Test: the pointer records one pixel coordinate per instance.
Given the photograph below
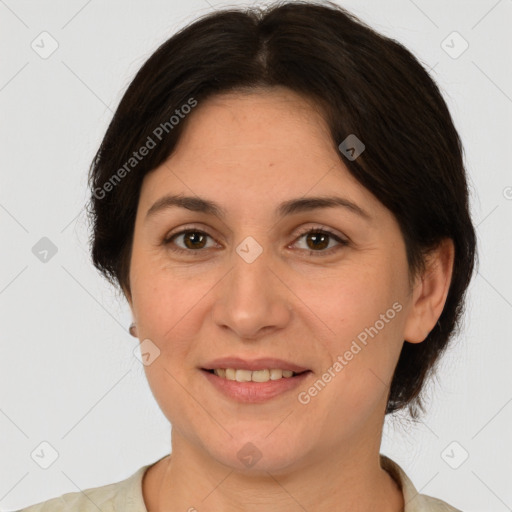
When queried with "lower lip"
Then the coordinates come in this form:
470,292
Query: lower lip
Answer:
254,392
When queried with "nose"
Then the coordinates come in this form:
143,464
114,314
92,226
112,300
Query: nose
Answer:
252,298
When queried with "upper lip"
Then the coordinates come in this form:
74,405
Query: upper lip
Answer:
253,364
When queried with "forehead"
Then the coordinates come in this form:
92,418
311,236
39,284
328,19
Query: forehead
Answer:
276,118
265,146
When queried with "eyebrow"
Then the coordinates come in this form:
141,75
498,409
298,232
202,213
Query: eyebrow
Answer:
290,207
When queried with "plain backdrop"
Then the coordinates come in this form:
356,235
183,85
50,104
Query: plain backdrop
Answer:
68,373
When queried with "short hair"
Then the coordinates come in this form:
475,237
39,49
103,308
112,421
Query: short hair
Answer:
362,83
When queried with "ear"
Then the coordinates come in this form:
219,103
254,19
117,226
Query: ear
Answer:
430,292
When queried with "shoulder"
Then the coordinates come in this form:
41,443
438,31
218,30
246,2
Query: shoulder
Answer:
434,504
413,500
124,495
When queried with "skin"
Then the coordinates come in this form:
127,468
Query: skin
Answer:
249,152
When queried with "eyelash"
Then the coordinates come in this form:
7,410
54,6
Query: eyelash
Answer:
316,230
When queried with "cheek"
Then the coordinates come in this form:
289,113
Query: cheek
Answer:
171,312
181,407
344,306
166,298
361,316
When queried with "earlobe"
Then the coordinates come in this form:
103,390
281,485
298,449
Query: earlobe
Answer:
430,293
133,329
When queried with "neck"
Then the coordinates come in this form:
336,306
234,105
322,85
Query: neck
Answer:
352,480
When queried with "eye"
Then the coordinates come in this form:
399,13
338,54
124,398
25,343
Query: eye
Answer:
319,238
194,240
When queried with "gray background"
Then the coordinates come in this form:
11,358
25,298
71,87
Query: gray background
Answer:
68,375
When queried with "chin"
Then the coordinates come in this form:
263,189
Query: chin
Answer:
258,455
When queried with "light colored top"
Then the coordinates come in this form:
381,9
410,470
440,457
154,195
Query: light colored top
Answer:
126,495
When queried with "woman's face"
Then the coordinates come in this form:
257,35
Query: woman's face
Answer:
252,285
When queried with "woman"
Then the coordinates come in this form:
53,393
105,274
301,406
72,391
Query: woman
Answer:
281,197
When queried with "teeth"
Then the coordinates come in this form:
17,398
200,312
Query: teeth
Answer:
255,376
243,376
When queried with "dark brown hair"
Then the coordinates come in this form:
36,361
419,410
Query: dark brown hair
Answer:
362,82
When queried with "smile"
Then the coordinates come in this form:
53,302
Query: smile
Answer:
253,376
244,386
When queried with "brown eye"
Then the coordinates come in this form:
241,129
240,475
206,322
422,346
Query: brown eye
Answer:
318,239
193,240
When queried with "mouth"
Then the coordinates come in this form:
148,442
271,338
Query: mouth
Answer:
261,376
254,386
